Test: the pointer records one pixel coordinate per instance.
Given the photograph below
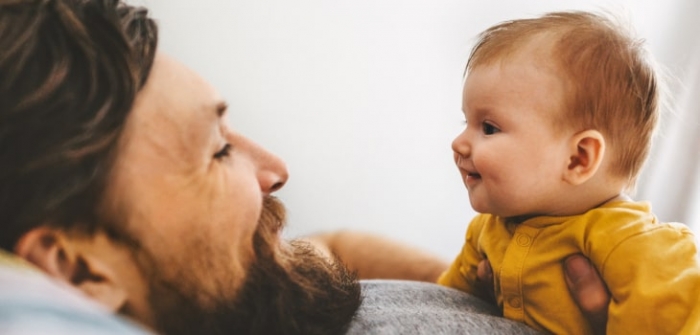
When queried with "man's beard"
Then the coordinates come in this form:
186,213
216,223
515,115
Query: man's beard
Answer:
288,289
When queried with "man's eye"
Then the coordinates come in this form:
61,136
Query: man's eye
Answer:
224,152
490,129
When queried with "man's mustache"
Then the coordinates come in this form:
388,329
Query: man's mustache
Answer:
273,216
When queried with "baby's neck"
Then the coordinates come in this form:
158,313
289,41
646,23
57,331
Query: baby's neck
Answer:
576,202
619,197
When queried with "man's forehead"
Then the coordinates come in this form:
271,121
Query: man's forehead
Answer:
176,95
173,85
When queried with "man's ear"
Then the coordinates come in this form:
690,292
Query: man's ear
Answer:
586,155
68,259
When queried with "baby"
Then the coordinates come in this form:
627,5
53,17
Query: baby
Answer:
560,113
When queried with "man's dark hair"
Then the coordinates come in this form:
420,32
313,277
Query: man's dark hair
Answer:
69,74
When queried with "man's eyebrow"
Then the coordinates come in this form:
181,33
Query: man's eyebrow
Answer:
221,108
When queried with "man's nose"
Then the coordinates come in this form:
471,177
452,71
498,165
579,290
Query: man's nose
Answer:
270,170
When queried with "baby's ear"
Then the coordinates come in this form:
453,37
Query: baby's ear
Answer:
586,156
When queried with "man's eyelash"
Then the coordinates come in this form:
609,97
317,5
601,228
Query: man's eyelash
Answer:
224,152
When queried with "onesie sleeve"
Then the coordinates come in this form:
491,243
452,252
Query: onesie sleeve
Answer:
462,273
654,279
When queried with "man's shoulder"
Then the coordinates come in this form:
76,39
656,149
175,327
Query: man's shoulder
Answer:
408,307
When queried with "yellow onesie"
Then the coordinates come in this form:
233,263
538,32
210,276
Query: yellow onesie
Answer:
651,268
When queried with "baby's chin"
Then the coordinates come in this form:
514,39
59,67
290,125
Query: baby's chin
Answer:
479,207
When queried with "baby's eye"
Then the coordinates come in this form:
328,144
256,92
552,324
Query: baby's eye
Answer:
489,129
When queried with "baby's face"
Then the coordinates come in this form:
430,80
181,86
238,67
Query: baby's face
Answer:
510,156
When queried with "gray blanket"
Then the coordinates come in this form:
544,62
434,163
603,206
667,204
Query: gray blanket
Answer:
405,307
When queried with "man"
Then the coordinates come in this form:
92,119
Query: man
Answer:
121,182
146,202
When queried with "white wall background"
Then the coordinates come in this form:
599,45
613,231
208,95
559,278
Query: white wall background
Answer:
362,97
